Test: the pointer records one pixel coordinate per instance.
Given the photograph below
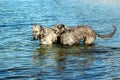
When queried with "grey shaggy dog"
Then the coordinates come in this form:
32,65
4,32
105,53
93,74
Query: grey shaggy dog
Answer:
52,35
82,33
48,35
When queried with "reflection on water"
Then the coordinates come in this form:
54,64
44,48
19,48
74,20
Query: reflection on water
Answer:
58,61
55,53
75,62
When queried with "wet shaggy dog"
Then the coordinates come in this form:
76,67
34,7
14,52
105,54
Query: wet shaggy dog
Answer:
82,33
48,35
52,35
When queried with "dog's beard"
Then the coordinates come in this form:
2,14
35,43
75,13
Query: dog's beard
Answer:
36,37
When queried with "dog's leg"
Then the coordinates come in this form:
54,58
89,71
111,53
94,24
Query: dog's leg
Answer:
89,40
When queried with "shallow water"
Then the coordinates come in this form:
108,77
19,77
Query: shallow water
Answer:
22,58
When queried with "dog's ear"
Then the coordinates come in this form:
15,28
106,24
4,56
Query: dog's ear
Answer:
61,26
41,26
65,31
35,28
57,31
45,31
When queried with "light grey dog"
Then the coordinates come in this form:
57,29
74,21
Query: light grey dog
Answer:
48,35
82,33
52,35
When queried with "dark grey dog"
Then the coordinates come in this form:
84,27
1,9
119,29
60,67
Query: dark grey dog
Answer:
82,33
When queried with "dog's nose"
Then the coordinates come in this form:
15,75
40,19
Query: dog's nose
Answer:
35,38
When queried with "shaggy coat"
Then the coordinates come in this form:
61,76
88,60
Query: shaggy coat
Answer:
48,35
82,33
52,35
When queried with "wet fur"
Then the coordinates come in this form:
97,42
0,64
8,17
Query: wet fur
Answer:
62,34
48,35
82,33
52,35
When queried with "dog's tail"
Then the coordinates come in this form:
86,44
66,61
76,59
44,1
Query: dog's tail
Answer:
107,35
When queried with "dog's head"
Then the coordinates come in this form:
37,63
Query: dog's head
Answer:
36,31
59,29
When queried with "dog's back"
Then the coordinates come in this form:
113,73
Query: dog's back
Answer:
74,35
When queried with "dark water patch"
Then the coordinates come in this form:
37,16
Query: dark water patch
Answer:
18,77
15,69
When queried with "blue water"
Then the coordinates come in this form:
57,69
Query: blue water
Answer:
22,58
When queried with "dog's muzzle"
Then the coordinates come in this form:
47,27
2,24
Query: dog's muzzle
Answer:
35,37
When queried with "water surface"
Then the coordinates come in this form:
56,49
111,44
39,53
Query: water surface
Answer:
22,58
